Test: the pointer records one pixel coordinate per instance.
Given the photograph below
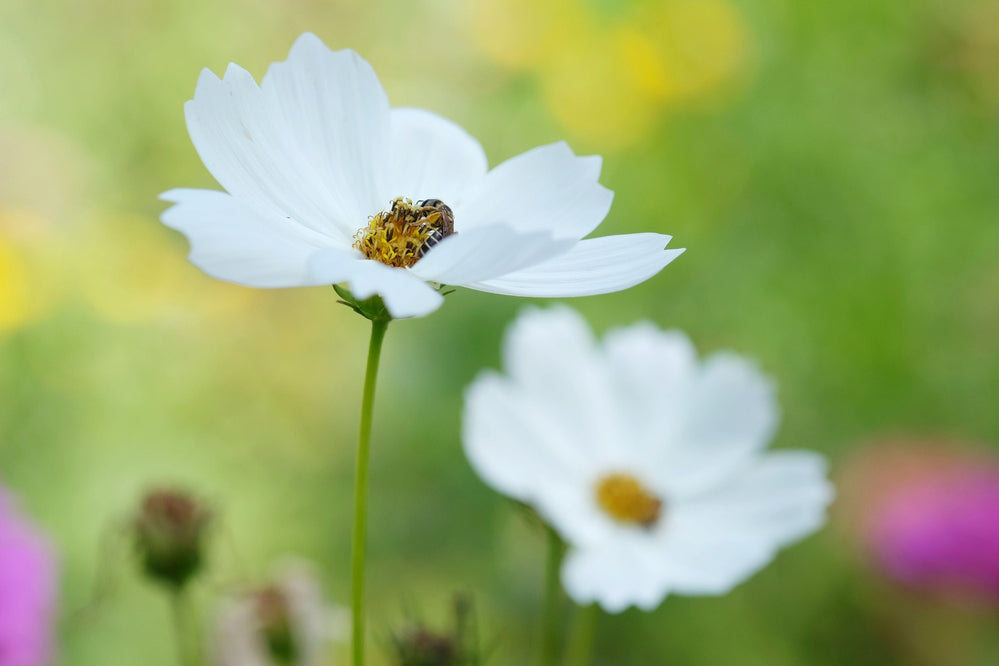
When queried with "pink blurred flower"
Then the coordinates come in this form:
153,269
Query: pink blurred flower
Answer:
940,530
27,591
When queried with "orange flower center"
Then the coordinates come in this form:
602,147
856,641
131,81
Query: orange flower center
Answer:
400,236
626,500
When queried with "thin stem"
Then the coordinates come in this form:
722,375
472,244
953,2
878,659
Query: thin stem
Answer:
178,608
552,602
378,328
580,649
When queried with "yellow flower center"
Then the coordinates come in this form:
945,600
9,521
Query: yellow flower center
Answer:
400,236
627,501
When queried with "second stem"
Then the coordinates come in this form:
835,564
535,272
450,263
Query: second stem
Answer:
552,609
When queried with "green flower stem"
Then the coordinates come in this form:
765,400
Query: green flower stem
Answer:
552,607
580,649
179,611
378,328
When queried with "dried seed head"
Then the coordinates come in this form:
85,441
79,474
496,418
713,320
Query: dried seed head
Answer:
419,645
169,534
273,610
422,647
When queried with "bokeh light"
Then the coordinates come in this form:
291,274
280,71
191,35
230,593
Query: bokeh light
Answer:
610,73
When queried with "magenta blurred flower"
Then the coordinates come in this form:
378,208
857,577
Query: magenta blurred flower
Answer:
941,531
27,591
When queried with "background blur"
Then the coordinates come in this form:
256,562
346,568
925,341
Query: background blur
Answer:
833,168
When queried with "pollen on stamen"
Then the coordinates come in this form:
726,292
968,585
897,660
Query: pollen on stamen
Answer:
400,236
627,501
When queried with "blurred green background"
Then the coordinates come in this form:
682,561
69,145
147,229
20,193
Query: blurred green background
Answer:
832,168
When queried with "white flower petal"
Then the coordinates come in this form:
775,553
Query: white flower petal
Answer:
731,413
593,266
230,241
545,189
483,253
337,114
432,157
715,541
711,563
311,616
304,145
404,294
520,451
550,356
780,498
236,640
648,374
511,443
652,371
615,575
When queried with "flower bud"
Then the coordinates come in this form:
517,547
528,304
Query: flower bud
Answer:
284,623
420,646
169,531
274,613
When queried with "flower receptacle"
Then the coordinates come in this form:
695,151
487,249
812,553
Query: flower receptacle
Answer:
370,308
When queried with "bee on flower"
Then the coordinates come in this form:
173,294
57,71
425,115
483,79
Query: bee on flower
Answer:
321,175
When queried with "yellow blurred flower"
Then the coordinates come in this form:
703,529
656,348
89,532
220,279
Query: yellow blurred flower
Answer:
608,92
130,272
608,76
28,276
702,44
43,177
15,304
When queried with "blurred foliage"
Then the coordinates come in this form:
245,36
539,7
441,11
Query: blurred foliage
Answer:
832,168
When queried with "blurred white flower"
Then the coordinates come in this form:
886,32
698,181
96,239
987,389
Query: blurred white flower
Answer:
327,184
286,623
649,463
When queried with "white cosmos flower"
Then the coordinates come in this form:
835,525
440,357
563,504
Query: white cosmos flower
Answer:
648,462
311,154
